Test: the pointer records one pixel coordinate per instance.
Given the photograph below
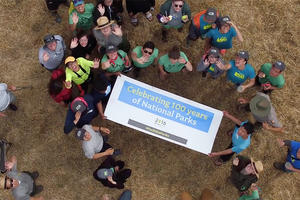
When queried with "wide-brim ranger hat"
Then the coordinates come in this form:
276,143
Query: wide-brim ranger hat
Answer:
260,106
211,14
103,22
69,59
258,166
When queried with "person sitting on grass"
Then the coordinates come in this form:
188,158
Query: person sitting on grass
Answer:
202,22
7,98
172,62
82,110
22,184
111,173
262,111
82,45
292,163
245,172
114,62
143,56
94,143
239,70
240,140
79,71
270,77
81,18
212,63
173,14
222,36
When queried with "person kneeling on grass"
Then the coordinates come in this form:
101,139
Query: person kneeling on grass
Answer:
174,61
292,163
245,172
143,57
241,139
111,173
94,143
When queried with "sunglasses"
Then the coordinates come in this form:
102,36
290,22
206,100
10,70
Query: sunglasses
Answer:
148,52
178,6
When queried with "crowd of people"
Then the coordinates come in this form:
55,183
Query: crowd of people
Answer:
83,84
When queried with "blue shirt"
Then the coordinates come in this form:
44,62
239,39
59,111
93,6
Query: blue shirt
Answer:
204,26
85,118
219,40
292,155
239,144
240,76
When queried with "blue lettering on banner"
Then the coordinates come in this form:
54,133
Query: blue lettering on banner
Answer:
166,107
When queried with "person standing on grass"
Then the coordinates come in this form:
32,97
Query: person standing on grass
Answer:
172,62
270,77
93,142
292,163
22,184
143,56
173,14
112,9
240,140
52,53
222,36
7,98
81,18
53,5
82,45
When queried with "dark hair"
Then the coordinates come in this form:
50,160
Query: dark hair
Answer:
99,84
55,86
174,53
82,33
149,45
249,127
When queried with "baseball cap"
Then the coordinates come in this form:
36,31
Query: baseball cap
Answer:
211,14
49,38
104,173
214,51
80,133
111,48
78,106
279,65
224,20
77,2
243,54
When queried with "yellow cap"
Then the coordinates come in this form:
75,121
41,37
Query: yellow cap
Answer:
69,59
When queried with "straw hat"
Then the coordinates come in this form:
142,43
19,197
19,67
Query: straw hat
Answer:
103,22
260,106
2,182
258,166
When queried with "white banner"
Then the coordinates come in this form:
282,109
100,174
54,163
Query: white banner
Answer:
164,115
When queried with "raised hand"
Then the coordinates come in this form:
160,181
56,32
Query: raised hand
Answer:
117,30
75,18
101,9
74,43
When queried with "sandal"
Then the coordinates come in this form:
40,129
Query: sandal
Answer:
134,21
149,16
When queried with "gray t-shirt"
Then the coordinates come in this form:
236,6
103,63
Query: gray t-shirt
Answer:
176,18
104,41
4,97
25,187
271,119
213,69
94,145
55,57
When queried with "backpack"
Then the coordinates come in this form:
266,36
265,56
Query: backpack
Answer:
196,19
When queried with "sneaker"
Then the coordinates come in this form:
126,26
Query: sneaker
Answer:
35,175
117,152
58,18
13,107
204,74
164,36
126,70
38,189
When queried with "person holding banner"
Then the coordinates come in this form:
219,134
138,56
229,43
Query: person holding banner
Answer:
172,62
143,57
241,139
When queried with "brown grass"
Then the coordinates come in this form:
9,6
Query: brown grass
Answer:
161,170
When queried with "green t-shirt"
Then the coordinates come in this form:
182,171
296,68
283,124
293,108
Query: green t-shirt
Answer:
277,81
138,51
253,196
81,76
85,20
119,63
168,66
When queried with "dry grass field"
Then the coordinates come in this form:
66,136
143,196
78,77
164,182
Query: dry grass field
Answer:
161,170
